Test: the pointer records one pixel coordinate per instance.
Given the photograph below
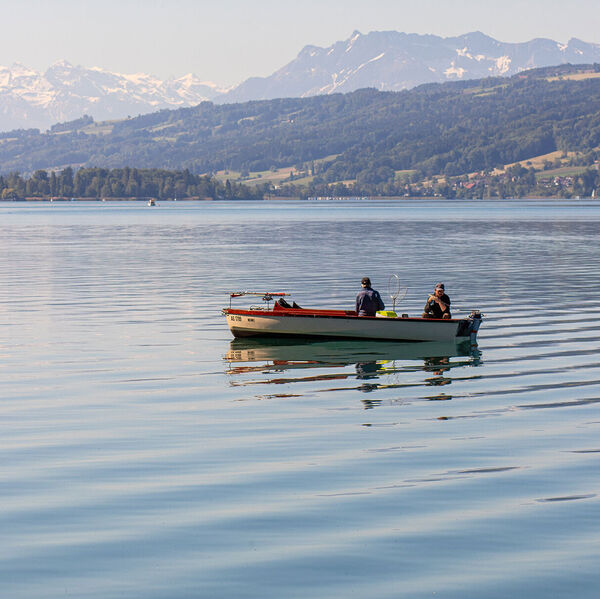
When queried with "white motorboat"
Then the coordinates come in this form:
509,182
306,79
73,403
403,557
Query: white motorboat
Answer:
284,319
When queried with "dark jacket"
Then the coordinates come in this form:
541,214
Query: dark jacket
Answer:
368,301
432,310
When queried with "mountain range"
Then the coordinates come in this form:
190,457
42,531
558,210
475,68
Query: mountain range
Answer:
385,60
30,99
370,136
394,61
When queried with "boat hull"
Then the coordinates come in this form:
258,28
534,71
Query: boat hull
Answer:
344,325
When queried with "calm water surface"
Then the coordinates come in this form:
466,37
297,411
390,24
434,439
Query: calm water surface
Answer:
145,454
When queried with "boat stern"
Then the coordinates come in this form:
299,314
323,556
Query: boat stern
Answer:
469,326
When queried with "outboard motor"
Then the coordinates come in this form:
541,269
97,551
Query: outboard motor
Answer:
475,318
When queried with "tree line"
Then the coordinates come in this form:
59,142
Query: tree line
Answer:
95,183
131,183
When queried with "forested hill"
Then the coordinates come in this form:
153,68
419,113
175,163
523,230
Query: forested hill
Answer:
449,129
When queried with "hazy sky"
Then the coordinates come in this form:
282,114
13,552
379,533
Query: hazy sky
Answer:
227,41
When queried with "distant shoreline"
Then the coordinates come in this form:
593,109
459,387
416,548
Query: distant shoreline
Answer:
157,202
147,199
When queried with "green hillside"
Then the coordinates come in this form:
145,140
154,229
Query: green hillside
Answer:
376,139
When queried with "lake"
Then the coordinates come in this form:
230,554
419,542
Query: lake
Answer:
146,454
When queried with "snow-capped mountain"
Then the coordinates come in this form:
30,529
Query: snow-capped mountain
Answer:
386,60
390,60
66,92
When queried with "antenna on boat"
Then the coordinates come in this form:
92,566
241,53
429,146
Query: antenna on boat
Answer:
395,290
267,296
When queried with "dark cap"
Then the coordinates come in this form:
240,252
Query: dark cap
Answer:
365,281
440,286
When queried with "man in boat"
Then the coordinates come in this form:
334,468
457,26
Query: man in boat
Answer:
368,301
438,304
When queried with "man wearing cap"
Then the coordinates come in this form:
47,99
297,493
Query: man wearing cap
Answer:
368,301
438,304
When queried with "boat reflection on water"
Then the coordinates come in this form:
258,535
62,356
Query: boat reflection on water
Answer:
377,364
